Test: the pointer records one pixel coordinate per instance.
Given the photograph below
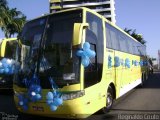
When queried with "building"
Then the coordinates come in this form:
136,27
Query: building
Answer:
104,7
158,59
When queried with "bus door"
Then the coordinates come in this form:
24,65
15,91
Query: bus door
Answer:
113,57
110,73
93,72
120,70
124,70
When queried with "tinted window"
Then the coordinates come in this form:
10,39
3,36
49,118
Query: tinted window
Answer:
10,49
32,32
136,47
59,55
130,48
117,40
94,35
123,42
108,38
113,39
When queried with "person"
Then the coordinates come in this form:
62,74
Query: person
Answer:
150,65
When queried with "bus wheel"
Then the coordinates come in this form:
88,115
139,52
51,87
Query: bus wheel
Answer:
109,100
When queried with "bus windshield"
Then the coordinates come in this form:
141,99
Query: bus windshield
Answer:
47,49
59,55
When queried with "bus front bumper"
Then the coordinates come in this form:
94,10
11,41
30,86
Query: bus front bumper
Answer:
69,109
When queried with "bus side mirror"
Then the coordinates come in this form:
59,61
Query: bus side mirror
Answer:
77,32
2,48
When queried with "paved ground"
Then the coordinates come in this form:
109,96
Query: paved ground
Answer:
140,103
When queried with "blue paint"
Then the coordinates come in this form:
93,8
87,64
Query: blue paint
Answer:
141,63
109,61
127,63
117,61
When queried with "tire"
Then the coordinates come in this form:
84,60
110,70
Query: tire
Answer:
109,100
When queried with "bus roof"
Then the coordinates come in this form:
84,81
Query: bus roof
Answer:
92,11
45,15
112,24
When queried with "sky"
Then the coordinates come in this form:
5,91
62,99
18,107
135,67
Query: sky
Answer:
142,15
30,8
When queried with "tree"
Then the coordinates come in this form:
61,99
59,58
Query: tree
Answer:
3,15
3,3
11,20
128,31
133,33
17,20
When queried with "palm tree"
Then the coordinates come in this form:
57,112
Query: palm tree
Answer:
15,27
11,20
3,15
3,3
17,20
128,30
133,33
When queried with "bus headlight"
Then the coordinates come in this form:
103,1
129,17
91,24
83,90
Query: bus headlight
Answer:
72,95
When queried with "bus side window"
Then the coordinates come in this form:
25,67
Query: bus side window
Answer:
129,40
10,49
93,61
108,37
91,71
112,37
90,36
94,35
123,43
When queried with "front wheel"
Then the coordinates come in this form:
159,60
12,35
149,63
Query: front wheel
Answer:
109,100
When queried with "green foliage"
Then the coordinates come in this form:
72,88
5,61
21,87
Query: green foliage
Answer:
11,20
133,33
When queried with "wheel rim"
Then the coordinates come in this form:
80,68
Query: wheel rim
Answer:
109,100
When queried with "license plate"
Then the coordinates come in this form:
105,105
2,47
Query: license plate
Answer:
38,108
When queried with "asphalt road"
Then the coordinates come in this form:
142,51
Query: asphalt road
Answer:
140,103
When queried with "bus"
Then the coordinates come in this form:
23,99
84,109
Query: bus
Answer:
79,56
7,50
